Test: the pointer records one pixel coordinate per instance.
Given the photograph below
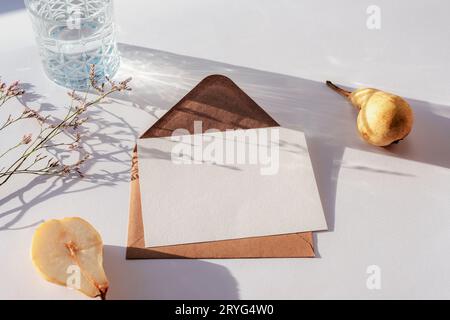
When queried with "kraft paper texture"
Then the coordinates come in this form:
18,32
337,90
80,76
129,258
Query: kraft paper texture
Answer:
219,104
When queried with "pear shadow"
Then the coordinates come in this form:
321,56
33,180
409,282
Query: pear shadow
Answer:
328,120
161,79
166,279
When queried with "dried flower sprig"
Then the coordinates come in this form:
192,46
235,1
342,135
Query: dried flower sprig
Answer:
9,91
36,158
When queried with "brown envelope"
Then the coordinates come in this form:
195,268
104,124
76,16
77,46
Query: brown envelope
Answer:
219,104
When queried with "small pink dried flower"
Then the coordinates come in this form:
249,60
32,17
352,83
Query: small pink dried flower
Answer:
26,139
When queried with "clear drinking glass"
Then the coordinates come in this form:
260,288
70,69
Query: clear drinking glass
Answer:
72,35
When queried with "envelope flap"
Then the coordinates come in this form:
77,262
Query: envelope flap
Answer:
216,101
220,104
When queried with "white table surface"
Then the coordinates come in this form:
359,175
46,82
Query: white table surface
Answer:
385,207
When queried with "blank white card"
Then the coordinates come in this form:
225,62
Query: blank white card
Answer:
227,185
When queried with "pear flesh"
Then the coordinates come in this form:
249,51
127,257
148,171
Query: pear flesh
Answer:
70,247
383,118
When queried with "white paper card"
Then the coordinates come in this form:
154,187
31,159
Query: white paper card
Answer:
227,185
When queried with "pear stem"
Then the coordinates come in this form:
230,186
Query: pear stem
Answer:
339,90
103,294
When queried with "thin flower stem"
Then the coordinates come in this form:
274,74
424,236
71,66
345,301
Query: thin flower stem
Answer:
40,172
11,121
35,162
72,120
11,149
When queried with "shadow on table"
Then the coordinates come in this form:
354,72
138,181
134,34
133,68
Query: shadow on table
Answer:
166,279
329,122
8,6
160,79
108,138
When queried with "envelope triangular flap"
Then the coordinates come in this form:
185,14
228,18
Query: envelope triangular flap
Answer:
219,104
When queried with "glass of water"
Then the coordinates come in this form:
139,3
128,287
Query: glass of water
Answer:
72,35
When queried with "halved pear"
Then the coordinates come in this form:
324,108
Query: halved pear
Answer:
69,252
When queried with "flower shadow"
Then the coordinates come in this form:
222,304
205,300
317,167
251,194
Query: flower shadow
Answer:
161,79
108,138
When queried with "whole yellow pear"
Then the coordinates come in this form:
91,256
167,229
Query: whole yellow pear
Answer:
383,118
